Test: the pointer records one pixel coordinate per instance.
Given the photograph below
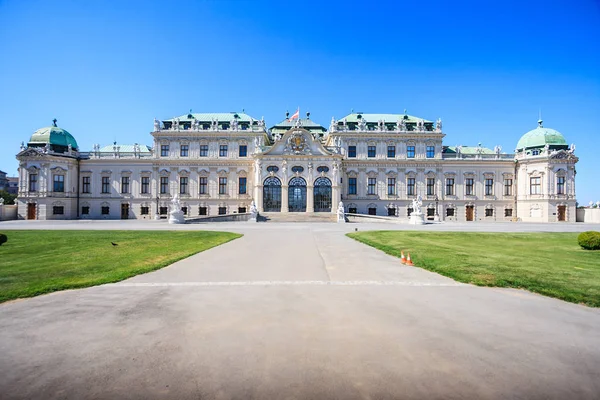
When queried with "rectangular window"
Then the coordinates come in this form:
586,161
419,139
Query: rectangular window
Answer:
449,212
410,151
351,151
184,210
105,184
203,211
124,184
184,150
391,152
450,186
535,185
508,187
223,150
430,151
371,151
85,184
58,210
489,187
391,212
33,182
409,211
222,210
145,184
59,183
243,150
351,185
145,210
430,186
391,186
222,185
164,184
371,185
410,186
203,150
560,185
203,185
163,210
183,185
105,210
242,185
164,150
469,186
241,210
489,212
85,210
352,210
372,211
508,212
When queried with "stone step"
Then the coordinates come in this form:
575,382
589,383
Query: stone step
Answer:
297,217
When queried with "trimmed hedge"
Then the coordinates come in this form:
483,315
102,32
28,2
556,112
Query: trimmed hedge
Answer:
589,240
3,238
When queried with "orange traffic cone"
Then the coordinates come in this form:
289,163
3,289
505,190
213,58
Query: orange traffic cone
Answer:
409,261
402,258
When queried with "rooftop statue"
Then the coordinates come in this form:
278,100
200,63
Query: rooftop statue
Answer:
156,125
438,125
332,125
362,124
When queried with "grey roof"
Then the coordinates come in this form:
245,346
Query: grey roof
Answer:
305,123
208,117
388,118
125,148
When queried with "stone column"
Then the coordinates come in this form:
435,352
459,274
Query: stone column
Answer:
335,198
310,198
284,199
258,198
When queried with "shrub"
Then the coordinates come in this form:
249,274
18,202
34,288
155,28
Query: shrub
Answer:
589,240
3,238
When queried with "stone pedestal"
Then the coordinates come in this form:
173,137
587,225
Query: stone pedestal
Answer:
176,217
157,216
417,219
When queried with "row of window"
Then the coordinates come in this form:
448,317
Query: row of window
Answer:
391,151
184,150
145,210
450,212
410,186
164,185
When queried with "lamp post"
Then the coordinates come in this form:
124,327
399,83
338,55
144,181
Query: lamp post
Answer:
436,218
157,215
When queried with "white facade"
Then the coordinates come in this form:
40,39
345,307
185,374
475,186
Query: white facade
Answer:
374,163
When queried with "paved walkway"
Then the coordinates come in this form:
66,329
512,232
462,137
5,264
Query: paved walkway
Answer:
297,312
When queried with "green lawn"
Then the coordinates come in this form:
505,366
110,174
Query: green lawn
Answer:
36,262
551,264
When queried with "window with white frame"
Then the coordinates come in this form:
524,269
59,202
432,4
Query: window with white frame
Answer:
535,185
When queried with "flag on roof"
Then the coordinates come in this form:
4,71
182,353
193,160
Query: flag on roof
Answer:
295,116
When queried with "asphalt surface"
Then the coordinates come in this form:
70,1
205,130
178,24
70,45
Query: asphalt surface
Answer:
296,311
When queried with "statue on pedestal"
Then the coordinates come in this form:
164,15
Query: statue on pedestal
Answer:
438,125
156,125
341,213
176,215
253,212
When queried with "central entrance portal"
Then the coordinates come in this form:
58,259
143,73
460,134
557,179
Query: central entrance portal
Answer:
272,194
297,195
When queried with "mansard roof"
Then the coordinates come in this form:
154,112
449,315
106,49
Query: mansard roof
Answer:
374,118
305,123
125,148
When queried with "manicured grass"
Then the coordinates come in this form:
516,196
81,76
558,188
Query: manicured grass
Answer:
37,262
551,264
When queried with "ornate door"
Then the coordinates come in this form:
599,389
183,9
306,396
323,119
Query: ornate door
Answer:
30,210
272,194
562,213
297,195
322,195
124,211
470,213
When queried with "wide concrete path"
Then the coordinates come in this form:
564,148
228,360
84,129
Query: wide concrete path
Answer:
297,312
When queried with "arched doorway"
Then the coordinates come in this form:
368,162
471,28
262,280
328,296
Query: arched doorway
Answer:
272,194
322,195
297,195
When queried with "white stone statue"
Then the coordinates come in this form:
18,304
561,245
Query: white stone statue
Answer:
403,125
47,148
253,212
381,125
572,148
233,125
261,123
341,213
156,125
1,201
417,217
362,124
344,124
176,215
22,145
176,124
438,125
332,125
416,205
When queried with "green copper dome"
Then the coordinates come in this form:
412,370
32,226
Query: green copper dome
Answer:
53,135
540,137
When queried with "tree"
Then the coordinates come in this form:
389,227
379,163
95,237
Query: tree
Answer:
8,198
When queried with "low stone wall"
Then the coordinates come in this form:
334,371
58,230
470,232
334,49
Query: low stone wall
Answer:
8,212
373,218
589,215
219,218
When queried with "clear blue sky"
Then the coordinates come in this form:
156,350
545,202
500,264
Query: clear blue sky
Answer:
105,69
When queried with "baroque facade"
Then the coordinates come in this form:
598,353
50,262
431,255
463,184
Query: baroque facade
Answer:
218,163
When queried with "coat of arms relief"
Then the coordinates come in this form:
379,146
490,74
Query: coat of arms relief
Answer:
297,144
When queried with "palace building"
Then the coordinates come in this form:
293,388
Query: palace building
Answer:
218,163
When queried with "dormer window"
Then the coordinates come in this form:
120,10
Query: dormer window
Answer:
535,152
